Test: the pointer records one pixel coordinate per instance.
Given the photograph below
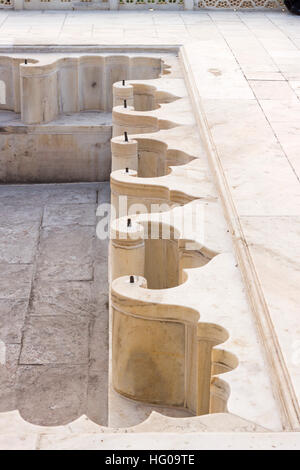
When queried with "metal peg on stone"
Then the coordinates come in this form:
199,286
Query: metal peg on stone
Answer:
123,82
126,136
131,279
128,222
125,103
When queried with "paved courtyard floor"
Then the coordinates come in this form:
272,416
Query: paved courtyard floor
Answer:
53,303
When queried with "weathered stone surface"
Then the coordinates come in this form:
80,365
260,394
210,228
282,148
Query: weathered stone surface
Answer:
50,193
69,214
101,252
55,340
8,372
15,281
101,275
12,315
18,213
66,254
18,442
51,395
97,403
18,243
62,298
104,193
56,333
97,400
98,344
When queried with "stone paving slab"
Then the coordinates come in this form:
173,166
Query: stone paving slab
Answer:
252,146
50,395
288,134
97,396
63,298
66,254
18,213
40,194
168,441
8,378
69,214
15,281
274,247
18,442
12,316
98,371
267,90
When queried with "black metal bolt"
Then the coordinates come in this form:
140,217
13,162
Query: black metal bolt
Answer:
127,170
128,222
126,136
131,279
123,82
26,61
125,104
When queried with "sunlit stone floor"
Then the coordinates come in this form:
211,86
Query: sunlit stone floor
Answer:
148,27
264,47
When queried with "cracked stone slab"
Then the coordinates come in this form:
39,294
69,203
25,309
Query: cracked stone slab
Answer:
101,275
102,302
51,193
52,395
18,243
12,315
8,374
69,214
15,281
104,193
19,214
101,250
63,298
57,339
66,254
